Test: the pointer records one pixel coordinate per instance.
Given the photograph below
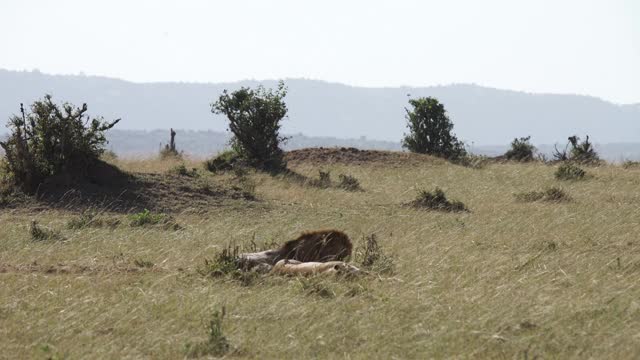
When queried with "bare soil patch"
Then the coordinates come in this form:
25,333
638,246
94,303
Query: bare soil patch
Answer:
108,188
353,156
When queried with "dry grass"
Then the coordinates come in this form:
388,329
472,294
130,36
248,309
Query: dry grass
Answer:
509,280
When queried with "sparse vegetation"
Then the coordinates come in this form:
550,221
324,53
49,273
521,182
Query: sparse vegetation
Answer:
93,219
169,151
225,262
485,274
552,194
430,130
370,256
349,183
52,140
216,344
181,170
147,218
569,171
324,179
39,233
255,118
629,164
225,161
521,150
438,201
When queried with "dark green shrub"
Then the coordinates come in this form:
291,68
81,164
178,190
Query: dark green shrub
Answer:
225,161
430,130
552,194
437,200
216,345
568,171
52,140
254,119
349,183
521,150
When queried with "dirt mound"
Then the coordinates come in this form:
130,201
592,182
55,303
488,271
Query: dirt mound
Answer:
355,156
108,188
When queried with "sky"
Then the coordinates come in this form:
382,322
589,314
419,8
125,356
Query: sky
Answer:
586,47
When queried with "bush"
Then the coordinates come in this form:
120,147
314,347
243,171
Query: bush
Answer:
225,161
254,119
430,130
216,345
324,179
580,152
52,140
370,256
349,183
437,200
553,194
225,262
39,233
568,171
146,218
182,170
521,150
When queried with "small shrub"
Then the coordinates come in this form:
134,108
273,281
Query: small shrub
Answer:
182,170
521,150
472,161
568,171
169,151
225,161
349,183
216,345
147,218
629,164
370,256
324,179
437,200
39,233
580,152
553,194
583,152
143,263
225,262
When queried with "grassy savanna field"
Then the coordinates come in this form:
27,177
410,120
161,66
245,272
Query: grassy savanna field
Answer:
508,279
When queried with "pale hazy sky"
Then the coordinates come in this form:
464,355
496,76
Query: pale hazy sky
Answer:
589,47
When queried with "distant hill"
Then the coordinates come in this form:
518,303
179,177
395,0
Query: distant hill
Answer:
482,116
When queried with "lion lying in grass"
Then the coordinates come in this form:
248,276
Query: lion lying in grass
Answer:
313,246
293,267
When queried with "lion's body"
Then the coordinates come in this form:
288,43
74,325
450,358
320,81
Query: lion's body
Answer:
319,245
313,246
292,267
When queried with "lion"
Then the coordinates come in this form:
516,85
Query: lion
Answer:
293,267
312,246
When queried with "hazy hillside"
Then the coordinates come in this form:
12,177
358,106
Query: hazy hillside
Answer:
483,116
